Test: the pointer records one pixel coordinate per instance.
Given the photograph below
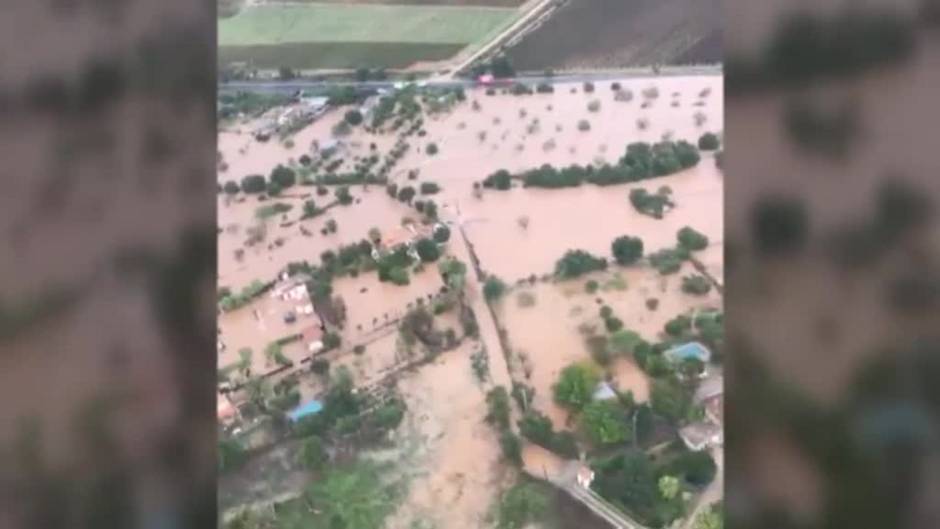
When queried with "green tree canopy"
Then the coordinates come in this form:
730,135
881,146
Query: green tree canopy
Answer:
691,240
428,250
605,422
521,506
627,250
576,385
494,288
578,262
313,453
283,176
254,184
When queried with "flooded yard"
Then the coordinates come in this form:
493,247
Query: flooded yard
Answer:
546,323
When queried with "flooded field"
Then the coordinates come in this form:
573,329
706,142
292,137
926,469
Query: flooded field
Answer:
549,332
286,238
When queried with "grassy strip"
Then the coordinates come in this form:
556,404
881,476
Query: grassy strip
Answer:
329,55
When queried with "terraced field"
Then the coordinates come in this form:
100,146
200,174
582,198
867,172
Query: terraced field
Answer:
341,35
622,33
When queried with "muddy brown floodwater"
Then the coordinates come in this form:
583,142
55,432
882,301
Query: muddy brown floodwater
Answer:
444,447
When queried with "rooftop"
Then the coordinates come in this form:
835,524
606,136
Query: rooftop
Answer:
603,391
698,435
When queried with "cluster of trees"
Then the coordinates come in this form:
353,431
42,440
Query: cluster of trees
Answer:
669,260
538,428
650,204
524,505
393,266
632,481
578,262
229,300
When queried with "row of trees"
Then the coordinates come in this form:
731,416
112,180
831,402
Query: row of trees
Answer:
642,161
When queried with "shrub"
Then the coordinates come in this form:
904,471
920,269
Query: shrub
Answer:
511,446
359,349
441,234
273,189
651,92
520,89
320,366
696,285
594,106
431,149
429,188
392,190
606,312
613,324
545,88
599,349
331,341
652,303
342,128
584,125
678,326
624,341
428,250
578,262
497,402
254,184
494,288
591,286
698,468
653,205
501,180
322,191
353,117
627,250
708,142
588,87
343,196
406,193
305,160
231,187
691,240
666,261
615,87
312,453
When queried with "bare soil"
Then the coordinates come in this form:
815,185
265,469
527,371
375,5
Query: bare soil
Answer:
621,33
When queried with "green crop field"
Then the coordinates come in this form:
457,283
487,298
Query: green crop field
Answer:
352,35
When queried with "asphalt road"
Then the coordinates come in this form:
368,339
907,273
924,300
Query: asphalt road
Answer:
302,84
